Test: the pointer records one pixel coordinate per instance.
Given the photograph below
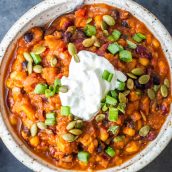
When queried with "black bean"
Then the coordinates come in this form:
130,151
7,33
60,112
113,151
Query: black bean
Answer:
28,37
138,85
125,24
151,135
24,65
156,79
67,24
100,147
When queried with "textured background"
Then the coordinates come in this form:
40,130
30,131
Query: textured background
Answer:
11,10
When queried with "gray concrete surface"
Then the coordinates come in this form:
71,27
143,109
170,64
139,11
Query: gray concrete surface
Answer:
11,10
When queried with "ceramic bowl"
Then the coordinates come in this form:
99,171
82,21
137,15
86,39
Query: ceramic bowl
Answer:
43,13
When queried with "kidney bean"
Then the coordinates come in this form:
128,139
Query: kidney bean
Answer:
67,36
141,50
151,135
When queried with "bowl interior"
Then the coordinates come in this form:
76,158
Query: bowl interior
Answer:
44,13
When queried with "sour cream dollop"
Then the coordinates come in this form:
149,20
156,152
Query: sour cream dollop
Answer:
86,86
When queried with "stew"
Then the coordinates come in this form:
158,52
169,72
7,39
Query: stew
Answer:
131,115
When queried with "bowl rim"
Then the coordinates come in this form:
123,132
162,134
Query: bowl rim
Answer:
155,147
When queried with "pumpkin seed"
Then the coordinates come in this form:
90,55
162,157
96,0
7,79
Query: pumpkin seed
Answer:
103,25
156,87
64,89
167,83
143,116
130,84
126,93
164,91
53,62
97,43
132,76
76,132
121,107
88,42
76,118
33,130
100,117
144,130
71,125
39,49
79,124
37,69
105,32
104,108
109,20
71,29
137,71
69,137
89,20
28,57
144,79
29,67
73,52
151,94
41,125
122,98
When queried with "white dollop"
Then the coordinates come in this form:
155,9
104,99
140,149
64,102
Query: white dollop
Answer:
86,86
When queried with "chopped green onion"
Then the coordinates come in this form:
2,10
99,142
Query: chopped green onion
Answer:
120,85
110,77
113,94
114,129
113,48
57,82
50,92
50,121
125,56
118,139
90,30
50,115
131,45
83,156
106,74
65,110
116,34
36,58
110,100
110,151
113,114
40,88
111,38
138,37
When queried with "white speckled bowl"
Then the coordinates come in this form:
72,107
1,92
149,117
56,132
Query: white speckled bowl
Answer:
44,12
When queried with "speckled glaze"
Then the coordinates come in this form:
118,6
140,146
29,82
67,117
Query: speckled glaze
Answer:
45,12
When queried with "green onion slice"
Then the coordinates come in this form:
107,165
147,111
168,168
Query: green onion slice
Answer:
139,37
50,121
125,56
110,100
83,156
50,115
113,114
65,110
36,58
116,34
131,45
110,151
40,88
